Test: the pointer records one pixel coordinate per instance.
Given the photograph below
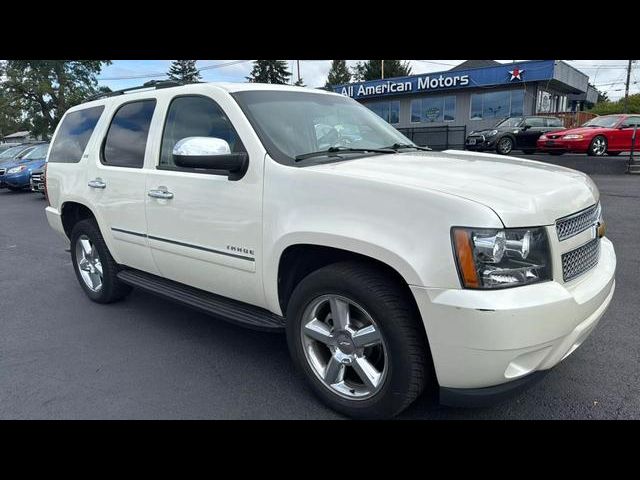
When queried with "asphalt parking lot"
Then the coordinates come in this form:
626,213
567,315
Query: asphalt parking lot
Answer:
64,357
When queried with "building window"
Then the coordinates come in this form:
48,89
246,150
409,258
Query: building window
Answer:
388,111
433,109
500,104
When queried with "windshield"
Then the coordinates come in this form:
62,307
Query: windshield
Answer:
37,153
292,124
11,152
510,122
607,122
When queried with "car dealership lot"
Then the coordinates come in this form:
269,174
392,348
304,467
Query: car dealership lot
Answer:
62,356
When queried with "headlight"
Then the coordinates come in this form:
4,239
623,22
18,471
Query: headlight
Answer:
573,137
492,258
19,169
543,137
492,133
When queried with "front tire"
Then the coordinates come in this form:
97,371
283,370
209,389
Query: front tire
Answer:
598,146
357,338
95,268
504,145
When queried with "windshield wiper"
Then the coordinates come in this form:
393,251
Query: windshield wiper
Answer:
398,146
334,150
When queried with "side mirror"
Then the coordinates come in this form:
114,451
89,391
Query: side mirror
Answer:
210,153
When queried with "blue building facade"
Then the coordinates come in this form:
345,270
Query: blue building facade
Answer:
473,98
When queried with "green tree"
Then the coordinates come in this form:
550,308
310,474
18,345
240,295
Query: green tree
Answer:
12,118
45,89
184,71
339,74
358,72
269,71
372,69
609,108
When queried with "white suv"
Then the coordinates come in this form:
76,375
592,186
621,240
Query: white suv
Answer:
390,267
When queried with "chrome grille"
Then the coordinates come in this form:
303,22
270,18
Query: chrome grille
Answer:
572,225
578,261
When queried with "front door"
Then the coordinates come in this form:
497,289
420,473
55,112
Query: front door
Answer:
527,138
205,230
620,137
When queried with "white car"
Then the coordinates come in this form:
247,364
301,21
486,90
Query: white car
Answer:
390,267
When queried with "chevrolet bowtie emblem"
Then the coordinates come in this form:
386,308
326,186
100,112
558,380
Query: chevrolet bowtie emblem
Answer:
601,229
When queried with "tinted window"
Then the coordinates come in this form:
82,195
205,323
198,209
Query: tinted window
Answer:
554,122
631,121
433,109
534,121
497,104
73,135
388,111
127,136
195,116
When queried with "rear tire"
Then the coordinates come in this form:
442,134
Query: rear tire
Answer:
400,357
598,146
95,268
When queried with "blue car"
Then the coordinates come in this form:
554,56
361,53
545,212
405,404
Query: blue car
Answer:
16,175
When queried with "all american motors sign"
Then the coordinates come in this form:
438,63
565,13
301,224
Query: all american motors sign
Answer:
406,85
503,74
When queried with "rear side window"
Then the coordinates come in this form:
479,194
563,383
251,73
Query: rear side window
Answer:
126,138
554,122
74,134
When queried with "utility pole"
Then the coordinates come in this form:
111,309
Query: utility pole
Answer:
382,69
298,70
626,88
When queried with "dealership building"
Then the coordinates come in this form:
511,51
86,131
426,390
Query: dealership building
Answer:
473,96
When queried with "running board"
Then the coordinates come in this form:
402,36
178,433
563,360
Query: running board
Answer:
230,310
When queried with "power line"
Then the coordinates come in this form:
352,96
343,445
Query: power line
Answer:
163,74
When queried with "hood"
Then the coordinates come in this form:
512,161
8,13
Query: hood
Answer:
484,131
31,165
523,193
586,131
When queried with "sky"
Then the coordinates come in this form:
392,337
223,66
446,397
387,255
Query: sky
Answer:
607,75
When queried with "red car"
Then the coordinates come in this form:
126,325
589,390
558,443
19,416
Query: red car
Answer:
610,134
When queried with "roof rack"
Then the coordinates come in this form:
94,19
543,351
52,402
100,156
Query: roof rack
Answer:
157,84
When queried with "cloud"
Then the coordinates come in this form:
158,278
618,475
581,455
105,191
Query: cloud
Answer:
608,75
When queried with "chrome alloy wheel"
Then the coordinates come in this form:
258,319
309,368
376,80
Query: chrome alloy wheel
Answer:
344,347
505,145
89,264
599,146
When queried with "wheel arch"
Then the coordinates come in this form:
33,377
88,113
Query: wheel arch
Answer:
296,260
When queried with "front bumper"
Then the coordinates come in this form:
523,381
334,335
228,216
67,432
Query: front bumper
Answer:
559,145
479,143
17,180
486,338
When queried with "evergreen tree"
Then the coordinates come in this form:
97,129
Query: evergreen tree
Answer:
269,71
372,69
184,71
339,74
358,72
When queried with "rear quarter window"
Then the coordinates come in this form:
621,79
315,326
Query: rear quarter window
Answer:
74,134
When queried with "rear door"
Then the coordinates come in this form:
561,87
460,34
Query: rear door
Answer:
116,182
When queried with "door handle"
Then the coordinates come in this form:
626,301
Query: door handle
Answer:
97,183
160,193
